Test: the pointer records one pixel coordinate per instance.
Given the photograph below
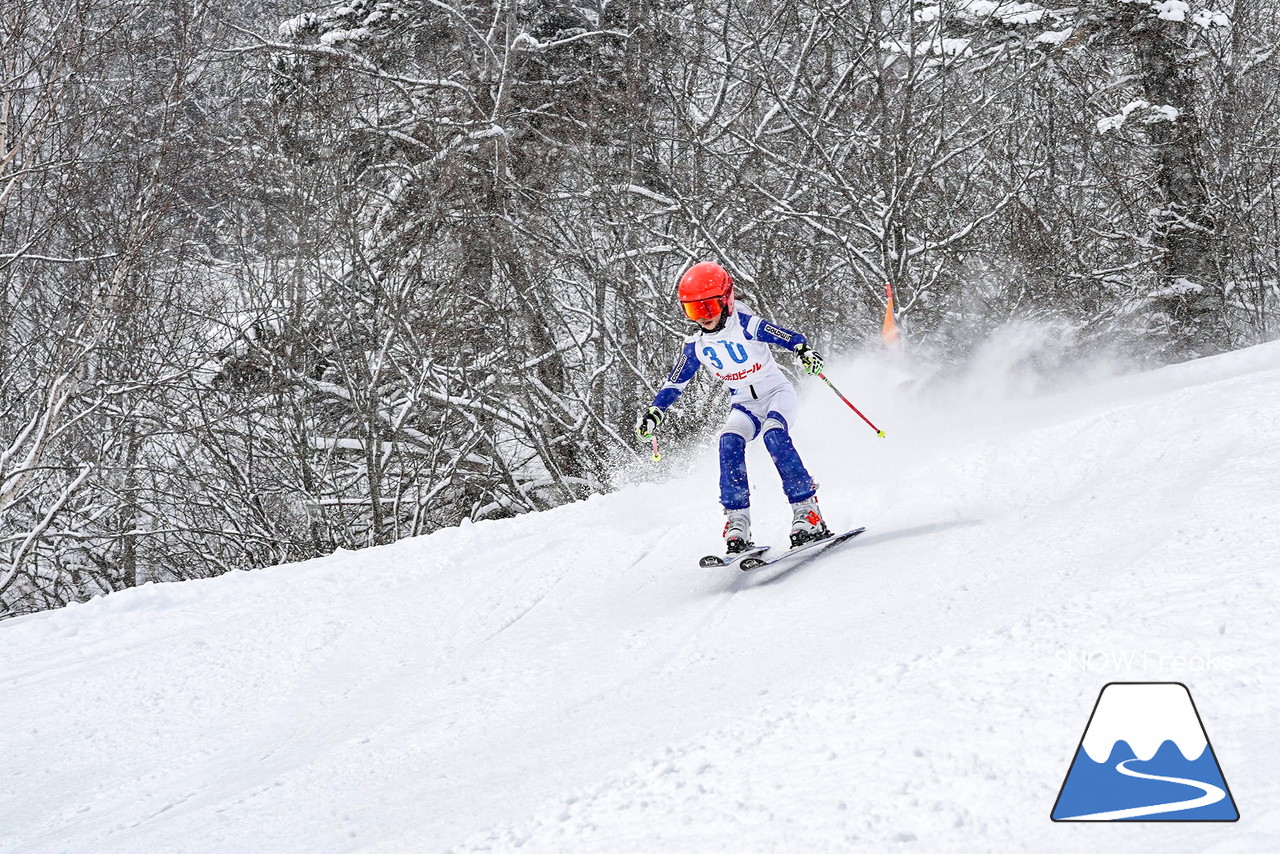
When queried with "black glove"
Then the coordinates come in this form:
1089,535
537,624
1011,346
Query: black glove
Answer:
810,359
649,422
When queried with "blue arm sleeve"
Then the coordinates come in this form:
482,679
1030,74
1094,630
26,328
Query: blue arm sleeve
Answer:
768,332
686,366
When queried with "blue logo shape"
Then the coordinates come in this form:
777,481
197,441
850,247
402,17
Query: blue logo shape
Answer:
1145,756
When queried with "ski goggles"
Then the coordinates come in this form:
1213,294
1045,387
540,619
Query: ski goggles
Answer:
703,309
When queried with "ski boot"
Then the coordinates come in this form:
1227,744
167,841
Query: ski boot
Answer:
806,522
737,531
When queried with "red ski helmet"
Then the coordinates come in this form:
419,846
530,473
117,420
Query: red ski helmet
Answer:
706,290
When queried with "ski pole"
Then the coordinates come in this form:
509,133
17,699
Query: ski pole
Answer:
656,456
831,385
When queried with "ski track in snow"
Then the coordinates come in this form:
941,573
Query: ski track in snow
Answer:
572,681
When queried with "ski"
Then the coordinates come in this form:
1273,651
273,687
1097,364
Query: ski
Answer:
733,559
808,551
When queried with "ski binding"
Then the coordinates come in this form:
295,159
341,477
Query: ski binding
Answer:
751,552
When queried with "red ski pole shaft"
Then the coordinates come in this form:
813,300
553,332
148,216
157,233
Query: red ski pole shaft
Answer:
832,386
656,455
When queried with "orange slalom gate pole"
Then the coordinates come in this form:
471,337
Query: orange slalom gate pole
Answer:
889,329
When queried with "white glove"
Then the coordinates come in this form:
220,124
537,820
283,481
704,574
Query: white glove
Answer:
810,359
649,422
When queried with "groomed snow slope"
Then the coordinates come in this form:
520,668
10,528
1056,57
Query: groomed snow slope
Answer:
571,681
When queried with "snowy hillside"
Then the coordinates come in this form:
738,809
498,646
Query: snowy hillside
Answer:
571,681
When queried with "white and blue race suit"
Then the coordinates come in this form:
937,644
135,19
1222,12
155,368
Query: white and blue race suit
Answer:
763,400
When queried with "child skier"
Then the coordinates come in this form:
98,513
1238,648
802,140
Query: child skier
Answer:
733,345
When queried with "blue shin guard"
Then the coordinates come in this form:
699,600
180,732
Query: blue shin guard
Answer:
796,481
734,492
